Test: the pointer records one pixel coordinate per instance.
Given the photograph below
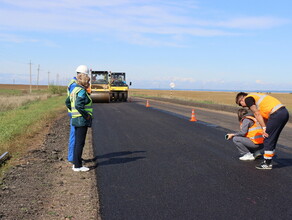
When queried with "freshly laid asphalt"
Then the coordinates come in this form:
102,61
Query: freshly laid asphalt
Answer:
155,165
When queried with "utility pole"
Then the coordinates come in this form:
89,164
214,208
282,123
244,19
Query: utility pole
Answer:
57,79
49,79
30,76
38,77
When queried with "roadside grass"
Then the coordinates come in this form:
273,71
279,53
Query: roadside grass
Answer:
14,98
21,124
222,98
10,92
16,101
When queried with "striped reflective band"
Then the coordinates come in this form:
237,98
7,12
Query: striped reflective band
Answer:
269,154
276,108
85,107
255,128
256,137
260,99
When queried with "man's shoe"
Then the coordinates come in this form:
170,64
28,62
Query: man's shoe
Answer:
265,166
257,154
80,169
247,156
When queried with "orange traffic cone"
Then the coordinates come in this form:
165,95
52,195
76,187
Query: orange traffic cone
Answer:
193,117
147,104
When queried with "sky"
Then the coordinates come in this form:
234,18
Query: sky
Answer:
195,44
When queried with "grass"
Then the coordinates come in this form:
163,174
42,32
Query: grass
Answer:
9,102
223,98
24,115
19,125
10,92
14,98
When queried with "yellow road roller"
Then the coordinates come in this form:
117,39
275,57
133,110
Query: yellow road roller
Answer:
118,87
100,86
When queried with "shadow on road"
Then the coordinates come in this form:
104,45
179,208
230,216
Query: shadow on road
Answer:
119,160
115,158
283,162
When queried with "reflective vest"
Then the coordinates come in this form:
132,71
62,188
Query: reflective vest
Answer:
87,107
70,83
68,88
266,104
255,132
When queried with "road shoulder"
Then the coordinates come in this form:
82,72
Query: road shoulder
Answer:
43,186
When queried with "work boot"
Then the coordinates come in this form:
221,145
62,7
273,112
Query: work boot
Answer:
265,165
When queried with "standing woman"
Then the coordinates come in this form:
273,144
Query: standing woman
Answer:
71,86
80,104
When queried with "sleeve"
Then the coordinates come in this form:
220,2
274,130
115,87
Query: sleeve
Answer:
246,124
71,87
68,103
249,101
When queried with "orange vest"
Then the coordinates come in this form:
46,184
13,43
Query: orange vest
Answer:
266,104
255,132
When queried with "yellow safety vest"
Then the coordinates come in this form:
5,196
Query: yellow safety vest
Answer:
266,104
68,91
87,107
255,132
70,83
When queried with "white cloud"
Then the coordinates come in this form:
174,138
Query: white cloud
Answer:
252,22
260,82
136,22
175,79
15,38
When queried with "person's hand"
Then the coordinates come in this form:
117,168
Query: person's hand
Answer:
88,117
229,136
265,134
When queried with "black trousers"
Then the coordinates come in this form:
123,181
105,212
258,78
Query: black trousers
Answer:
80,136
275,125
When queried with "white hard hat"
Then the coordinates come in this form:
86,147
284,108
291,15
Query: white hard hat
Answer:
82,69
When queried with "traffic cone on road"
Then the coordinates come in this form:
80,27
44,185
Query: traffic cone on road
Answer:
193,117
147,104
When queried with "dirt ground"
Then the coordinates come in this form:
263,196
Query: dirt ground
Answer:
42,184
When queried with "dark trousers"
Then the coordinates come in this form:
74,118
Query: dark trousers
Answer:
80,136
275,125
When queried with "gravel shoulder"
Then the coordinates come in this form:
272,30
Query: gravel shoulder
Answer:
42,185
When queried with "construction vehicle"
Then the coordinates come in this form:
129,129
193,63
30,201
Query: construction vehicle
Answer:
100,86
118,87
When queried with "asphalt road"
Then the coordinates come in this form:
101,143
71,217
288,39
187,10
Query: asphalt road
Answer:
153,164
214,118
